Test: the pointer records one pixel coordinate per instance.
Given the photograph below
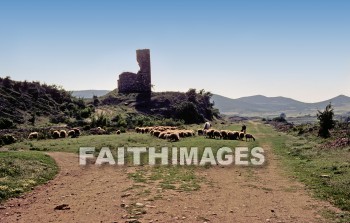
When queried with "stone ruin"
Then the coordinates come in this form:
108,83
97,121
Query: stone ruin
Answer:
137,83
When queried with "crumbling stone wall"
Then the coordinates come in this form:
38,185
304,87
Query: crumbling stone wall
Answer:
137,83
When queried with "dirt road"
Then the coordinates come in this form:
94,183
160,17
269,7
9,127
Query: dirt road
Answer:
106,194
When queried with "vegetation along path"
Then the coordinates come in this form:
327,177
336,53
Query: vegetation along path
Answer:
167,194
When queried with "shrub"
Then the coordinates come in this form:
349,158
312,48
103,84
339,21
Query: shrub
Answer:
281,118
188,112
60,118
100,121
326,121
7,139
6,123
85,113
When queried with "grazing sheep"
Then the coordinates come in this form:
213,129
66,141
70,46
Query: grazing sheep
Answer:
173,137
55,134
217,134
33,135
71,133
188,133
138,129
249,136
162,135
63,134
200,132
210,133
224,134
232,135
118,132
77,132
182,134
156,133
241,135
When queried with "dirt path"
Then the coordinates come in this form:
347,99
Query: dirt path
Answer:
230,194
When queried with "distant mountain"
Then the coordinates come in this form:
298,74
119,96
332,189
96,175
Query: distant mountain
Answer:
259,105
89,93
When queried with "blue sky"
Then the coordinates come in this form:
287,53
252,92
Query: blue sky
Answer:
298,49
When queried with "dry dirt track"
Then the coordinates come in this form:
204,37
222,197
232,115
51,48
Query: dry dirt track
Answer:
95,194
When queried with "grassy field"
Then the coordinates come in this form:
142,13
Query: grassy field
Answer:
21,171
325,172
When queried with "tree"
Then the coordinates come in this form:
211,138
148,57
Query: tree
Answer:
192,95
326,121
96,100
283,116
188,112
6,123
32,119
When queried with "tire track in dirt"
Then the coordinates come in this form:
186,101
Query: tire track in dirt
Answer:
92,194
230,194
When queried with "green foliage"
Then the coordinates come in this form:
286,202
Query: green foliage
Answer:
96,101
32,119
326,121
20,100
86,112
281,118
7,139
6,123
132,120
101,120
60,118
188,112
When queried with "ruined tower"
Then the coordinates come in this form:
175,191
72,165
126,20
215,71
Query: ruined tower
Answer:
141,82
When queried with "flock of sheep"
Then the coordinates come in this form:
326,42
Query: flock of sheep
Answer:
166,132
170,133
225,134
174,134
73,133
55,134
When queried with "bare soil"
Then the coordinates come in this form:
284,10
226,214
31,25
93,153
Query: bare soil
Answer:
106,194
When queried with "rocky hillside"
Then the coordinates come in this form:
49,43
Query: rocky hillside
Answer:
191,106
23,102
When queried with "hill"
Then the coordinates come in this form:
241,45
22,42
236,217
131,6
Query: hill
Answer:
89,93
24,102
259,105
190,106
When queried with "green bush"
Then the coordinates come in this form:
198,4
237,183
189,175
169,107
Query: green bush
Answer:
85,113
188,112
7,139
100,121
6,123
326,121
60,118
